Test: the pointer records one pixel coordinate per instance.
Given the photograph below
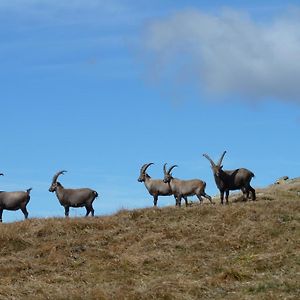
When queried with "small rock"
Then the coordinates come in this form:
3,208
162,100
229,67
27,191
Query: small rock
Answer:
281,180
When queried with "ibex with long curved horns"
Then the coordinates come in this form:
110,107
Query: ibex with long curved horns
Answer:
14,201
155,187
184,188
227,180
73,197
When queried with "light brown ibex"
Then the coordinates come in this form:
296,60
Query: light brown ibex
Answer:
184,188
73,197
14,201
155,187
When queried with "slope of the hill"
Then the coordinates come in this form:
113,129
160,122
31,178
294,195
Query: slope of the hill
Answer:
240,251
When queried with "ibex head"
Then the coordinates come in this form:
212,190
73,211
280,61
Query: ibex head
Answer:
54,181
216,168
167,174
143,173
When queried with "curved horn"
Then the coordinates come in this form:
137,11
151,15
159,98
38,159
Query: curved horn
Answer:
221,158
57,174
145,167
174,166
211,161
165,169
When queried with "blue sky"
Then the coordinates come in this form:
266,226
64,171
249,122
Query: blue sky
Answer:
99,88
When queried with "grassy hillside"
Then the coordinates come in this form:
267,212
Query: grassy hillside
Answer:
241,251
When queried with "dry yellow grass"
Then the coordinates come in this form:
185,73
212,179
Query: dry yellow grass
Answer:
241,251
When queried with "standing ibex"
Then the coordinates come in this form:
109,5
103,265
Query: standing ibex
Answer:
73,197
14,201
238,179
155,187
185,188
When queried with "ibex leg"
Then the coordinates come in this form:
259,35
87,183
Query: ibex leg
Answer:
92,211
226,196
178,200
252,190
24,211
89,209
200,198
245,193
186,201
207,197
67,209
222,197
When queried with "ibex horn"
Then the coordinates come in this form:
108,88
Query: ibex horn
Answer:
174,166
145,166
57,174
221,158
211,161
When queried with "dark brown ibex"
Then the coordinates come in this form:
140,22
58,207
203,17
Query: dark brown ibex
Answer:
14,201
73,197
227,180
185,188
155,187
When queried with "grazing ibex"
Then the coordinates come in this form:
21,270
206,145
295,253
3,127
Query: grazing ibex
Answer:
155,187
14,201
73,197
185,188
238,179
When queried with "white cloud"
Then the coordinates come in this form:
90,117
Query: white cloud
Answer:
229,53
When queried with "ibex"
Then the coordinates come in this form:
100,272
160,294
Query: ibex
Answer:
238,179
185,188
155,187
14,201
73,197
